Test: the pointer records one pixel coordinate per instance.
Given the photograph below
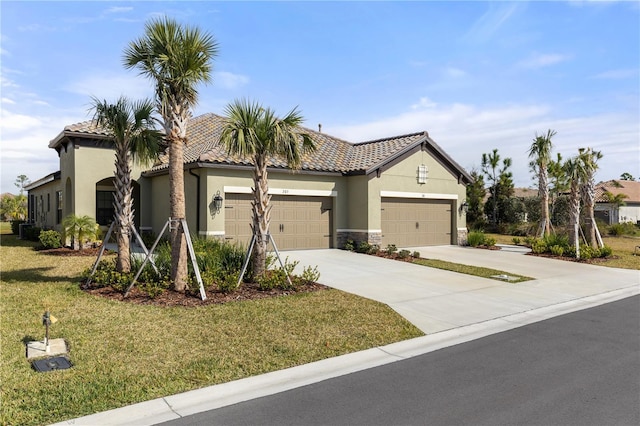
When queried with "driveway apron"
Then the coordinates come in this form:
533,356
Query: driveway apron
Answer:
435,300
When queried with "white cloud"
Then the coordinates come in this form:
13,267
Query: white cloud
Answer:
466,131
424,102
227,80
8,101
454,72
111,86
540,60
17,122
617,74
491,21
119,9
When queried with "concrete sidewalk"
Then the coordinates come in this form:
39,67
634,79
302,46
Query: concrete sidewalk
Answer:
450,308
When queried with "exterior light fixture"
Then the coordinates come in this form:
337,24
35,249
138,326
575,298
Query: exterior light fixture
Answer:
423,173
216,202
464,207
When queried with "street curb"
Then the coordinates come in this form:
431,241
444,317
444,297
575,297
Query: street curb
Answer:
184,404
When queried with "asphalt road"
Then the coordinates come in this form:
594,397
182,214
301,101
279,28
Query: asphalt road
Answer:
581,369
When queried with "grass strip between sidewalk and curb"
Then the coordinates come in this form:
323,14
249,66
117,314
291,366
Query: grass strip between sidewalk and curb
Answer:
123,353
477,271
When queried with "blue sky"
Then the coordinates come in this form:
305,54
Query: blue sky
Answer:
475,75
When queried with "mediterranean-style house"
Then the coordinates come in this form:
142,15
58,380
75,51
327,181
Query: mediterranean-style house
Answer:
612,213
402,190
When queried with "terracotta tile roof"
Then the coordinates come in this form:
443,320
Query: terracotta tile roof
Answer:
628,187
331,155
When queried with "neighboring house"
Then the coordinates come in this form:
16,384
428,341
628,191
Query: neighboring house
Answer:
403,190
611,213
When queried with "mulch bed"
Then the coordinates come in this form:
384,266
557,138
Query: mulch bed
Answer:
247,291
594,260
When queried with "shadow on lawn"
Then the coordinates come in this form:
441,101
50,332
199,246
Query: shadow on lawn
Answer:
34,275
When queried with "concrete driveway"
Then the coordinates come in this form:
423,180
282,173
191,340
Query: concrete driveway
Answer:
435,300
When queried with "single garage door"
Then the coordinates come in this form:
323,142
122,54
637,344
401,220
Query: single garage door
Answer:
296,222
408,222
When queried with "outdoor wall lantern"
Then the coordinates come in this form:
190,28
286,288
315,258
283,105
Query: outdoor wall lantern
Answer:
423,173
216,203
464,207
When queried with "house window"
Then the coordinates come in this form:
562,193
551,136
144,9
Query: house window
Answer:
104,207
58,206
423,173
48,202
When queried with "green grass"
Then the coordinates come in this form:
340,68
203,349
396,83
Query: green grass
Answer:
623,250
125,353
477,271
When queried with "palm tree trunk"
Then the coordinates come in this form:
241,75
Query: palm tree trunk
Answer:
590,220
177,207
574,224
544,192
124,213
261,214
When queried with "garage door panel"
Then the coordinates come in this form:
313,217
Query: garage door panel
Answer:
296,222
416,222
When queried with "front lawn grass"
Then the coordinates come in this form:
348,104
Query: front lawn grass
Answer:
477,271
126,353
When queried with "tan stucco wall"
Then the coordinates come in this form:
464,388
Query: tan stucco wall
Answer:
84,166
46,207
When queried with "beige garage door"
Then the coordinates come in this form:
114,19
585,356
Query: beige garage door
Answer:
296,222
416,222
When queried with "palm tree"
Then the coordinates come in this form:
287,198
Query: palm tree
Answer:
255,132
135,138
176,58
80,229
540,152
575,171
590,158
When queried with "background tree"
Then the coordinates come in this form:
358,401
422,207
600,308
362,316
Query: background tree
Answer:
626,176
257,133
177,59
589,159
21,182
574,168
617,200
13,207
495,174
558,186
135,139
475,200
540,153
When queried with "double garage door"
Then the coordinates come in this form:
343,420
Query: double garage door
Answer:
408,222
296,222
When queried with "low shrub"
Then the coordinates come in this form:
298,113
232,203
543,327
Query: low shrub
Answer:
625,228
363,247
32,233
416,254
556,240
50,239
489,241
403,254
229,283
606,251
476,238
310,275
528,241
538,246
391,248
516,240
350,245
557,250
